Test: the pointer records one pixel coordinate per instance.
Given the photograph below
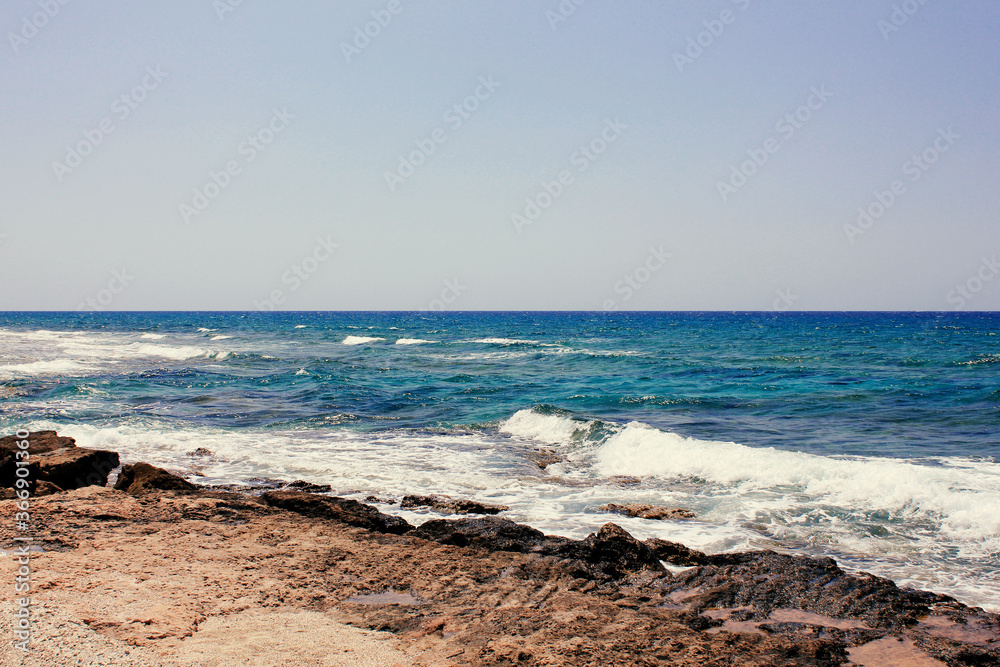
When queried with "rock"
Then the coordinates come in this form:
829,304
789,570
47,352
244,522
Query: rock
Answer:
763,581
201,451
490,533
543,458
611,551
309,487
446,504
617,553
342,510
674,553
141,478
57,460
647,511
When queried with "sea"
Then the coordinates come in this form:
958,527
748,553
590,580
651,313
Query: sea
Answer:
868,437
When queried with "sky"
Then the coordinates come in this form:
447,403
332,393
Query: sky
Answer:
499,155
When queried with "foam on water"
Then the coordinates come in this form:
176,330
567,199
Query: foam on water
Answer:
361,340
413,341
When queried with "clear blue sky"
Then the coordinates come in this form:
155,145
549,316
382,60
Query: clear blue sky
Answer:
713,155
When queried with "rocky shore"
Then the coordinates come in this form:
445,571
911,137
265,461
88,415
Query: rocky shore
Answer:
158,571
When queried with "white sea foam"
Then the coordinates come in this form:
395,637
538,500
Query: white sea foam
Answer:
552,429
964,500
204,330
301,326
152,336
49,367
361,340
413,341
505,341
178,353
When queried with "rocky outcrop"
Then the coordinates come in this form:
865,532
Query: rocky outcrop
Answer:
342,510
647,511
674,553
451,505
56,460
611,552
141,478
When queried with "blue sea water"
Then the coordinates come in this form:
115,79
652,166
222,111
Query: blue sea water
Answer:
870,437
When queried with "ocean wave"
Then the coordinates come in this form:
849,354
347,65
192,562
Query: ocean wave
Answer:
505,341
49,367
413,341
962,499
361,340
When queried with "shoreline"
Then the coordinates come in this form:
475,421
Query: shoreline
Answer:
179,575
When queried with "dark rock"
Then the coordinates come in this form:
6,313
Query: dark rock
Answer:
342,510
201,451
674,553
617,553
764,581
647,511
309,487
446,504
612,551
491,534
57,460
140,478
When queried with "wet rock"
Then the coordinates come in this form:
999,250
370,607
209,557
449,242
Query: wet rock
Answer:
201,451
674,553
450,505
611,551
764,581
617,553
56,459
543,458
342,510
141,478
309,487
642,511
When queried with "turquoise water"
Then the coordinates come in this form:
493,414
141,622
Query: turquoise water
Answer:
871,437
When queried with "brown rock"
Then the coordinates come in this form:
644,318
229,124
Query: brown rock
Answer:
141,477
648,511
674,553
342,510
56,459
446,504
